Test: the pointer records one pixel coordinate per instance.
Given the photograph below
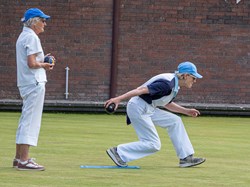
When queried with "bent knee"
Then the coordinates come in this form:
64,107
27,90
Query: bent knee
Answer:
178,119
155,146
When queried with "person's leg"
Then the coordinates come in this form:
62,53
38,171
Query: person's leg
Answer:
176,131
17,157
30,122
178,136
139,113
23,124
17,151
24,152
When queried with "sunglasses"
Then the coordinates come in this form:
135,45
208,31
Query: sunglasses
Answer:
194,78
43,20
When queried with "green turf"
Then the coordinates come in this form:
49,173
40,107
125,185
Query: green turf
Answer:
69,140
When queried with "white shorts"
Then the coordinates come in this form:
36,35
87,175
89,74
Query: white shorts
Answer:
30,120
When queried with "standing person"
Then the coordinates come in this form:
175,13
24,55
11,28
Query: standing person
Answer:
31,80
143,113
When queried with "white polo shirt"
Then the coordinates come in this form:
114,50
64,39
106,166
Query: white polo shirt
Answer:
28,43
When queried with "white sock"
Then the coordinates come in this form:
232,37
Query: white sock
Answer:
24,162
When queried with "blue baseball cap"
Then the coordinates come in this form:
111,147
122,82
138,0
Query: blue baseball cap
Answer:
189,68
34,12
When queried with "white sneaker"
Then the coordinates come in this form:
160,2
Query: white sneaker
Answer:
191,161
29,165
112,152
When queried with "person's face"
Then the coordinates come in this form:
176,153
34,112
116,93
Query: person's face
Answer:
39,27
189,80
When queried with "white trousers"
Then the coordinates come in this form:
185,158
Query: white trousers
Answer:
30,120
144,118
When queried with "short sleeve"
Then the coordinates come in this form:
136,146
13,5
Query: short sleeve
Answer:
160,87
33,45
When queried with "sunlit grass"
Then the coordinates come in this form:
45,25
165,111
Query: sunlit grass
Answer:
69,140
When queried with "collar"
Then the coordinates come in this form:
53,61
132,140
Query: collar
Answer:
27,29
176,87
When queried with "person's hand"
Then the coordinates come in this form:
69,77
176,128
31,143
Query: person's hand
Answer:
193,112
49,57
112,100
47,54
48,66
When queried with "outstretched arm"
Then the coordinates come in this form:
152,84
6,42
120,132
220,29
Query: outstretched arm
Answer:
126,96
179,109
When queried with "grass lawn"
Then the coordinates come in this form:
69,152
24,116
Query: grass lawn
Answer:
69,140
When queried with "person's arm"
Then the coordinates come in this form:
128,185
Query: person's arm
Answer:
33,64
126,96
180,109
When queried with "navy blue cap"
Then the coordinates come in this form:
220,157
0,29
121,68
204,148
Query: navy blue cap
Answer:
189,68
34,12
